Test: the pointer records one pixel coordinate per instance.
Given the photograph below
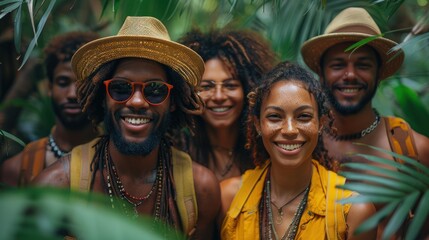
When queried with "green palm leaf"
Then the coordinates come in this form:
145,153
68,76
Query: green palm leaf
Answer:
12,137
45,213
403,190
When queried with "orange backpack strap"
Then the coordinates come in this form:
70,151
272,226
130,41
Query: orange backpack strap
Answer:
401,138
33,161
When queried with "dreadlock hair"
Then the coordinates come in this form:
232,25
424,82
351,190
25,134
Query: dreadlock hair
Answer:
62,47
285,71
247,56
91,95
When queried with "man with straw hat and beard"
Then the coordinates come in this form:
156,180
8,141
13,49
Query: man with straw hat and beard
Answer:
142,85
350,79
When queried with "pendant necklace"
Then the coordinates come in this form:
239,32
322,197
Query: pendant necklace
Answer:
230,162
279,218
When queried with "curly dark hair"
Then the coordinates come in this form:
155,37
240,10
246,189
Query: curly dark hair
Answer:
285,71
62,47
247,56
91,95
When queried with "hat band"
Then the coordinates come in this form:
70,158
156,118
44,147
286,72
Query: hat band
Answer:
356,29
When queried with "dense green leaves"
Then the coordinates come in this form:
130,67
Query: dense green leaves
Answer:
44,213
403,190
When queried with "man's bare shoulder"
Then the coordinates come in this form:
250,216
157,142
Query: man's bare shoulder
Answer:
9,170
204,179
57,174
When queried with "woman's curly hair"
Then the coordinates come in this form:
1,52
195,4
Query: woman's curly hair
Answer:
247,56
285,71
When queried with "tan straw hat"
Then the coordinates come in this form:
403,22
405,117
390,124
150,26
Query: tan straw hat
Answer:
352,25
141,37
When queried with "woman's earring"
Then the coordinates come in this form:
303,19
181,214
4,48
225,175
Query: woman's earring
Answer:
258,133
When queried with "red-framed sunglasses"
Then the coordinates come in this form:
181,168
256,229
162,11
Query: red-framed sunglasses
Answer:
154,92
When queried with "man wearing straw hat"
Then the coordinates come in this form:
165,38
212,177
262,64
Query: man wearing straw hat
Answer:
141,84
351,79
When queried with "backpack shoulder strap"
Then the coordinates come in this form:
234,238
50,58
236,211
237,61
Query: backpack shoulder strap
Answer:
33,160
400,137
80,166
335,216
185,191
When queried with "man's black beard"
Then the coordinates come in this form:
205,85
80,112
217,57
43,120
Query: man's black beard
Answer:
72,123
348,110
136,148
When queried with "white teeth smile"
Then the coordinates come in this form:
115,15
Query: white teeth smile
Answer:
290,147
137,121
220,109
349,90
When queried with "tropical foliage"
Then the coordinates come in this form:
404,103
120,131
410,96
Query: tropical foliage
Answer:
400,187
286,24
44,213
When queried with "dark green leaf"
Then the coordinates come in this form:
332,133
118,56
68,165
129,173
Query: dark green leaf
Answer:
366,199
18,30
386,172
410,161
420,216
5,2
374,220
412,172
379,180
400,215
364,189
413,108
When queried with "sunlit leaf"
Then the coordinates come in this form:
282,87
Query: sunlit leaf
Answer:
12,137
366,199
9,9
39,31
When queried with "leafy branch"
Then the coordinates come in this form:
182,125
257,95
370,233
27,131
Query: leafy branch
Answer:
401,187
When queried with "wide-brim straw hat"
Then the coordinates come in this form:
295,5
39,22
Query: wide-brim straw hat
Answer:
352,25
140,37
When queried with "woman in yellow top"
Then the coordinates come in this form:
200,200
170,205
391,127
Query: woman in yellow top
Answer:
290,195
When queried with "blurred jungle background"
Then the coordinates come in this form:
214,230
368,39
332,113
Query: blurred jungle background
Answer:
26,26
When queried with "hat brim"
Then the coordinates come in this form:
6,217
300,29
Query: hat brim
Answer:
183,60
313,49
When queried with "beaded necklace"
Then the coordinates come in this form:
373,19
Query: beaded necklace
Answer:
116,188
58,152
358,135
291,231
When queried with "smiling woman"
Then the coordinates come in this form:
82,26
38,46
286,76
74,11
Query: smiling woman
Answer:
282,198
234,63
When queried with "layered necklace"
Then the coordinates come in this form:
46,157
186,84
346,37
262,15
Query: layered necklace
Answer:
55,149
357,135
291,231
116,188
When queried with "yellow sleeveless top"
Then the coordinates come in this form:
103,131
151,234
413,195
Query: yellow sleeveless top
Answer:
323,217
